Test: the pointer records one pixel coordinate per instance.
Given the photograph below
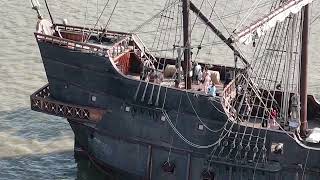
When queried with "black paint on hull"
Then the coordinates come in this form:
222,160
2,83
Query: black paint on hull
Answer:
137,141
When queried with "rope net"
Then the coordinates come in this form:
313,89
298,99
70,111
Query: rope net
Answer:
264,96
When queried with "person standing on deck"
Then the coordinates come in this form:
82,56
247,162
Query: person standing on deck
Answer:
206,80
273,117
212,90
44,26
197,73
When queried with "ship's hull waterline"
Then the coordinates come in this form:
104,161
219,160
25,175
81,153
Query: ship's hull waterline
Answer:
132,135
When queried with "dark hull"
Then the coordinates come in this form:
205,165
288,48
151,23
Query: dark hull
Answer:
132,138
138,159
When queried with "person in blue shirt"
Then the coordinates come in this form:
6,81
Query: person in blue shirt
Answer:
212,90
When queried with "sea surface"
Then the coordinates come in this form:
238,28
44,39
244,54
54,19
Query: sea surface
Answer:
38,146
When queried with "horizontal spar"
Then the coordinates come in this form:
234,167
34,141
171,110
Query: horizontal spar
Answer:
269,21
228,42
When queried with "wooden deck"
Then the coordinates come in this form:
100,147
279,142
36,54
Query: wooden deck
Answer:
198,88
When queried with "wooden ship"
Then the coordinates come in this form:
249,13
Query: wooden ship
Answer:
150,116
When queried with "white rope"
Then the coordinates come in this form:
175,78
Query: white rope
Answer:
317,17
185,139
85,19
153,17
212,7
90,32
98,12
305,164
194,110
254,6
109,20
216,106
177,118
225,16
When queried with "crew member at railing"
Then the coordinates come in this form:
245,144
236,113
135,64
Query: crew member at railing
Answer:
212,90
156,76
272,121
147,68
294,118
206,79
197,74
44,26
65,22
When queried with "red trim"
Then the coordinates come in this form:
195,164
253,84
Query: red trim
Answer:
123,62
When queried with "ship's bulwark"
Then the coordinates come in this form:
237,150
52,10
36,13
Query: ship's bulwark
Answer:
133,137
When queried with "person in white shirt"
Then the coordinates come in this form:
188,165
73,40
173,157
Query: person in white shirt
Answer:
198,73
44,26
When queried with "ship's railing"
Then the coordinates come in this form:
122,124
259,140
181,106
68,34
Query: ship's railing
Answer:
228,94
142,46
70,44
88,30
119,48
42,102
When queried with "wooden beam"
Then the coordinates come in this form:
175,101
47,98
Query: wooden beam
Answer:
228,42
304,73
186,42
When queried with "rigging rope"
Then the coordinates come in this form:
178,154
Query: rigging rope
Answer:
204,33
305,164
97,11
109,20
185,139
317,17
254,6
194,110
165,56
224,16
264,106
196,19
177,118
85,20
90,32
153,17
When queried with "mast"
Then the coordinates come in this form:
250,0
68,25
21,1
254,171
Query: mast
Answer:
36,6
49,11
186,42
303,73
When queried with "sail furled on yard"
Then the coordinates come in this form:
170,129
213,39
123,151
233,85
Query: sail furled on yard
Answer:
260,27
